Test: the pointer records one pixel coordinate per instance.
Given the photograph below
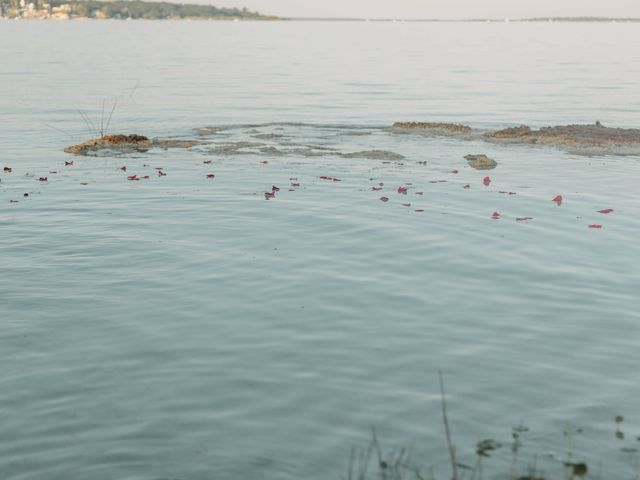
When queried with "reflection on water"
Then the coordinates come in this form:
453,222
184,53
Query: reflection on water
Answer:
184,326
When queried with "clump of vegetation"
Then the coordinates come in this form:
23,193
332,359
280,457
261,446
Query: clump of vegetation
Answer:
136,9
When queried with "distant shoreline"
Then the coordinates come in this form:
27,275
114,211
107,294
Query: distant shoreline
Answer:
161,10
269,18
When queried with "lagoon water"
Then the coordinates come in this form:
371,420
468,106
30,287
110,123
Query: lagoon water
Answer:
187,328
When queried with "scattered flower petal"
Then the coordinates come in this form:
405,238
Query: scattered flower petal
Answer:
606,210
595,225
384,199
486,181
496,215
557,199
43,179
68,164
402,190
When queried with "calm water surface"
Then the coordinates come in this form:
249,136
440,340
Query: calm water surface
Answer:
186,328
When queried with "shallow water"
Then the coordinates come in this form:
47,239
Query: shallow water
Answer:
185,327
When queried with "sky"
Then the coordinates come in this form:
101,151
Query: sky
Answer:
438,8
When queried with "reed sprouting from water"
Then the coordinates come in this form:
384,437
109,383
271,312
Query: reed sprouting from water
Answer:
104,123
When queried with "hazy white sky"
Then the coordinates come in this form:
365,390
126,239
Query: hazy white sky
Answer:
438,8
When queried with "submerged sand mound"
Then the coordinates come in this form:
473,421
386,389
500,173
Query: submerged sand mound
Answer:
481,162
581,137
437,128
125,143
374,155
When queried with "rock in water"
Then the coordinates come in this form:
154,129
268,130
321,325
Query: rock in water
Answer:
481,162
125,143
595,138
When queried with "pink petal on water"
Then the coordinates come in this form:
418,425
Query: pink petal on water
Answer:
595,225
557,199
486,181
606,210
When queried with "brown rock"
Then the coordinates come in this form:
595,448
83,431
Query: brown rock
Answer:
481,162
595,136
125,143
